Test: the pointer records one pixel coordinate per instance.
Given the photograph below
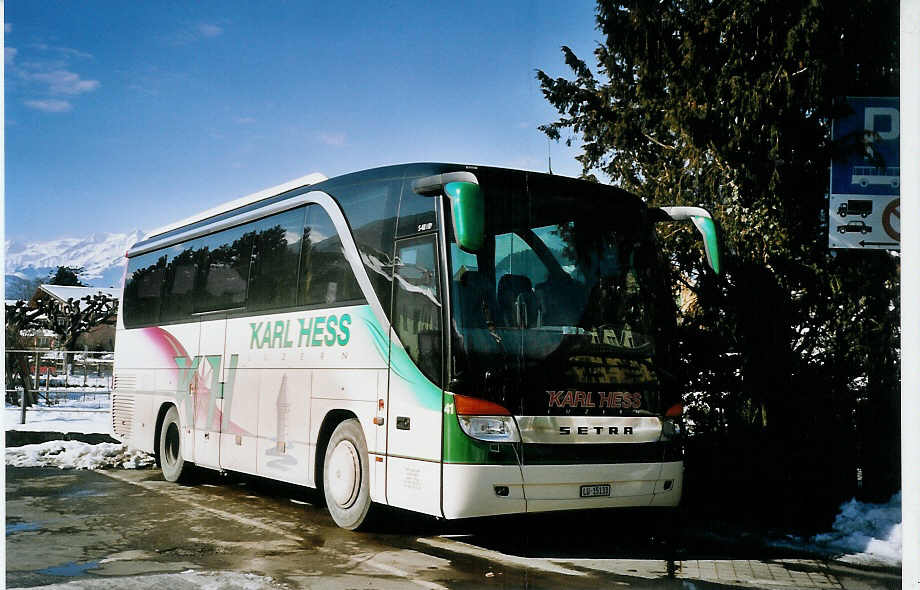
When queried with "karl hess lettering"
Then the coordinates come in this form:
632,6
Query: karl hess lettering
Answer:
316,331
587,399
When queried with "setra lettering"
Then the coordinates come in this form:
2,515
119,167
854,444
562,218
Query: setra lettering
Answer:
597,430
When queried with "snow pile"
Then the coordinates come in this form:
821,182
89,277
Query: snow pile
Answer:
863,534
71,454
866,533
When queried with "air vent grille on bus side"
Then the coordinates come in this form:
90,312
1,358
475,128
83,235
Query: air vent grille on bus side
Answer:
124,382
122,414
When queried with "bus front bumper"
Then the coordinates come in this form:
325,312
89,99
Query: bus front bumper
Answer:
482,490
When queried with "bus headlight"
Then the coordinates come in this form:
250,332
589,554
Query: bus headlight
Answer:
670,423
490,428
485,420
673,441
670,429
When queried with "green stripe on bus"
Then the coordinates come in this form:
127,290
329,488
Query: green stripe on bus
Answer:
427,394
460,448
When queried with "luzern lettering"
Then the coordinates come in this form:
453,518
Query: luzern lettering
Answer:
331,330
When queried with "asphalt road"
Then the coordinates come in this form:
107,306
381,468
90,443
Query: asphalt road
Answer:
131,529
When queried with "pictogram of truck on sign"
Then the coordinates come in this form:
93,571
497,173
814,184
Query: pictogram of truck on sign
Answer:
855,207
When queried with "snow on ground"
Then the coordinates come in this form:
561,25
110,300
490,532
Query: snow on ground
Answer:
72,454
74,381
84,411
868,534
48,420
186,580
863,533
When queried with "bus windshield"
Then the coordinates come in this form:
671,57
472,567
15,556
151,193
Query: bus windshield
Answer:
562,310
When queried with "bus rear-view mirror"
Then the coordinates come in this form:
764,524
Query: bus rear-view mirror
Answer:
705,225
467,209
467,205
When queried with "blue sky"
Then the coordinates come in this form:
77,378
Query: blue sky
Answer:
130,115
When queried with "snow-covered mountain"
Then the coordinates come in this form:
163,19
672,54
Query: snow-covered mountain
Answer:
100,254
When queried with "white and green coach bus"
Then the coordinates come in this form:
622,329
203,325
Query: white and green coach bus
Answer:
456,340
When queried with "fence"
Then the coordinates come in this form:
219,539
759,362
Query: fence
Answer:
60,375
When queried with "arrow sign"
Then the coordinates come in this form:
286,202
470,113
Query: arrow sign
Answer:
865,243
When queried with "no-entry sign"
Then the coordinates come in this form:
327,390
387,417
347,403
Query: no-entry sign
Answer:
891,219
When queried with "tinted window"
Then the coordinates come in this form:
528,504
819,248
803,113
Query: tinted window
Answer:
292,258
417,304
371,211
223,278
183,263
326,277
143,284
276,245
416,212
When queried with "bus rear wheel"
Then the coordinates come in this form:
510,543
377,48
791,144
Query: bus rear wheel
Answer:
345,476
175,468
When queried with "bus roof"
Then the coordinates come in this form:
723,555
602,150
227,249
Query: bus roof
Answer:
307,180
321,182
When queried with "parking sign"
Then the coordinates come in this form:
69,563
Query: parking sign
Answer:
865,184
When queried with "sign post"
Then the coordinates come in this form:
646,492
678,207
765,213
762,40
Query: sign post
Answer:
865,186
910,294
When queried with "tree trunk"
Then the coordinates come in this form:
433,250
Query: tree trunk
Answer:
22,366
880,419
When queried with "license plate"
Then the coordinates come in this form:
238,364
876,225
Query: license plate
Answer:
594,491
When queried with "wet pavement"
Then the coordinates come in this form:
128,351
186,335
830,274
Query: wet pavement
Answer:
131,529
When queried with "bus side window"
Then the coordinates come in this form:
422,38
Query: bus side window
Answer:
223,277
326,277
371,209
417,303
275,259
179,282
143,289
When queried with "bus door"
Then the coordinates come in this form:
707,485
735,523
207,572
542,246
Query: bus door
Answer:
222,285
177,304
208,390
415,396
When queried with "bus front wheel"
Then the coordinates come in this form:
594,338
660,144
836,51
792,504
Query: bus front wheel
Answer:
175,467
345,476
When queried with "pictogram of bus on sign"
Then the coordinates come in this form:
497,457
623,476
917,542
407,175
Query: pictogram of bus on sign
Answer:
866,175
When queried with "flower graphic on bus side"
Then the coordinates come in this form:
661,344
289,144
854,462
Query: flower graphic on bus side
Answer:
204,388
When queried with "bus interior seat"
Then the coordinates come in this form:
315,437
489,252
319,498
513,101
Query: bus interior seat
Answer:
477,297
477,318
517,302
562,301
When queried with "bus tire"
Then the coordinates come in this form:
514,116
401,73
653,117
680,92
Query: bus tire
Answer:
175,468
345,476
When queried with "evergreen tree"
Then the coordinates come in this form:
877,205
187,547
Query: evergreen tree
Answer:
68,276
791,358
